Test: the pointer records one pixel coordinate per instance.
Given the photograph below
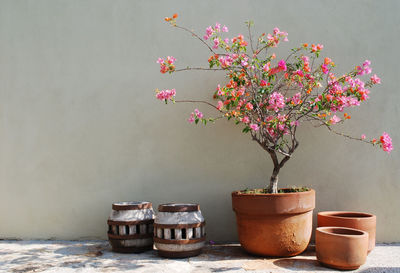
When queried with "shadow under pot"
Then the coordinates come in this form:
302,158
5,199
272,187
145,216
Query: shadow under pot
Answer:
130,227
341,248
179,230
350,219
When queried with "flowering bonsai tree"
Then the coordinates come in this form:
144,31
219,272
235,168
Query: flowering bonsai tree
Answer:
270,97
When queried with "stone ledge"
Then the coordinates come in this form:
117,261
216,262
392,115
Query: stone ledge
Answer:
96,256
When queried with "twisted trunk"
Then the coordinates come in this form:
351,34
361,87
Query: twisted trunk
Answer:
273,182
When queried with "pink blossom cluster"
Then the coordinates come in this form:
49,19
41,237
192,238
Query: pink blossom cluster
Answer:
196,114
296,99
386,142
165,95
276,101
335,119
277,125
317,47
210,31
166,65
275,38
254,127
281,67
365,68
375,79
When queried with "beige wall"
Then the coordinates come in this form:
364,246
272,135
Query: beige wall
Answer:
80,127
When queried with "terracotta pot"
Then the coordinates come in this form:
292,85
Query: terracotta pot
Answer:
350,219
341,248
277,225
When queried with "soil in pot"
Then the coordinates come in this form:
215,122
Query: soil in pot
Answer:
278,225
351,219
341,248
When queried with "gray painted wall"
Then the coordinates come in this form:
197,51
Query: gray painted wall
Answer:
80,127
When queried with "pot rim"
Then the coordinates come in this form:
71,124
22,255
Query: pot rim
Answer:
132,205
239,193
337,214
178,207
327,230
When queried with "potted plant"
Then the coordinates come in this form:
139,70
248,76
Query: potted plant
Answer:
270,97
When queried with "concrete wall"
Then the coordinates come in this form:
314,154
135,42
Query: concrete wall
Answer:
80,127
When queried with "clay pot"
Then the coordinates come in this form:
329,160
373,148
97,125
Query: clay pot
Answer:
341,248
277,225
350,219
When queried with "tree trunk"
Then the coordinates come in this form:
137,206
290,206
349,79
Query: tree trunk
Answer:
273,182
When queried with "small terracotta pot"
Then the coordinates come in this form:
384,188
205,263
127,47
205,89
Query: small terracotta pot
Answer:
350,219
277,225
341,248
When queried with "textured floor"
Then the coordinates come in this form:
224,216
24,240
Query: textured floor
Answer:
95,256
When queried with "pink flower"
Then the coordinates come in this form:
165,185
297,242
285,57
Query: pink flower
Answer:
245,119
386,142
166,65
166,94
225,29
294,123
375,79
317,47
305,59
171,60
216,43
191,118
198,113
276,101
335,119
263,82
225,61
254,127
325,69
217,27
276,36
296,99
209,33
282,65
365,69
220,105
249,106
266,67
363,136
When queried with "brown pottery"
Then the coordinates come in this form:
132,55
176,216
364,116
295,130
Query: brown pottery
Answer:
357,220
341,248
277,225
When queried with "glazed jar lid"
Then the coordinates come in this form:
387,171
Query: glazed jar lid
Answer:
136,205
178,207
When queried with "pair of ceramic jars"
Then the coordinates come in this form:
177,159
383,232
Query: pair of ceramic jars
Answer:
344,239
177,231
